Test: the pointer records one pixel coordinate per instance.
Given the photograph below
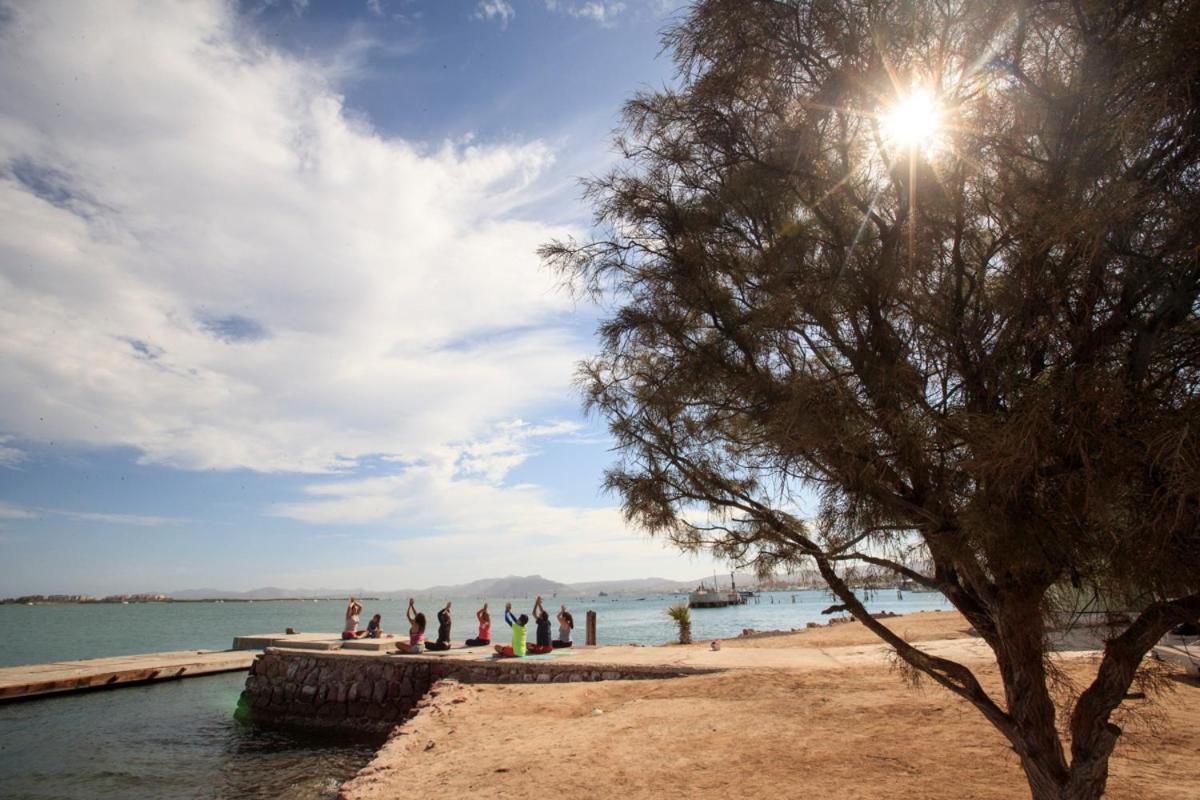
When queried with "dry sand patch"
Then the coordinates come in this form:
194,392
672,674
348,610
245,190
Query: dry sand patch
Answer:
855,733
920,626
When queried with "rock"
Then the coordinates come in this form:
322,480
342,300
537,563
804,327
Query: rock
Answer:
597,712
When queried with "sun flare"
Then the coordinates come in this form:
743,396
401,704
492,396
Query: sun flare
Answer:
914,123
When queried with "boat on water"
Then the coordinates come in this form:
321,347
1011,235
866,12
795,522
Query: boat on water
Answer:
716,597
704,597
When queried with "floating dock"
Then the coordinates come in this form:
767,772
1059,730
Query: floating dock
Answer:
60,677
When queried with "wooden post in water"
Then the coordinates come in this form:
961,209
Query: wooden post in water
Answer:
591,628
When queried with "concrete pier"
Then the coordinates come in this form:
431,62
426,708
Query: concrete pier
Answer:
59,677
363,692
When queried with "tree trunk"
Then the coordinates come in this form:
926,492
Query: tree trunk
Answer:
1020,653
685,633
1021,656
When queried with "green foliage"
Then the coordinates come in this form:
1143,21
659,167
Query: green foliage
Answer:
978,362
683,618
681,614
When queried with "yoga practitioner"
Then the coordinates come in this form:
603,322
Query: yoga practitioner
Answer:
485,628
443,639
416,631
542,617
565,624
517,648
350,628
375,628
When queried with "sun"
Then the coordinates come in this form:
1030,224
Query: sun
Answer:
914,123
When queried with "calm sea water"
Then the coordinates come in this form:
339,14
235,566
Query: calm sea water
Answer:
180,740
166,740
41,633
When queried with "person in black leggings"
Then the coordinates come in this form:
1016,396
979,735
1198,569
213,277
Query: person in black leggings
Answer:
443,639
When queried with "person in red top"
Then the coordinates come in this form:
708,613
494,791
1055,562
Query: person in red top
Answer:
485,628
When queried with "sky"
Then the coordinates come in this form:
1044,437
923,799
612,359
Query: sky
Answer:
270,307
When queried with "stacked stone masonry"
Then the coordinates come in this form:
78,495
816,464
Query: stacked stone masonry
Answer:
373,694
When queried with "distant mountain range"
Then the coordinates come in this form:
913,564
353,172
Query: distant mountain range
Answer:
513,586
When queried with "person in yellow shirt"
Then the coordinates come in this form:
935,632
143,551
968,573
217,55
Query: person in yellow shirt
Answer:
518,625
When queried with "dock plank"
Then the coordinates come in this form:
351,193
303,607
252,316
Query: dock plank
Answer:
33,680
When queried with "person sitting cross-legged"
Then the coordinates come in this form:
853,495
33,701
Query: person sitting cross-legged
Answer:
485,628
443,638
518,625
566,623
416,631
541,616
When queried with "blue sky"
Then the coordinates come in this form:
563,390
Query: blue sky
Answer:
270,308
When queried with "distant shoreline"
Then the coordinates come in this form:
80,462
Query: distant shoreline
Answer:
18,601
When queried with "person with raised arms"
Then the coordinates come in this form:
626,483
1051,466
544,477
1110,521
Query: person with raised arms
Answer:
443,637
485,628
416,631
542,617
518,625
350,627
566,623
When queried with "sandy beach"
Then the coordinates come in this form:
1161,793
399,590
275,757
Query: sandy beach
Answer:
814,714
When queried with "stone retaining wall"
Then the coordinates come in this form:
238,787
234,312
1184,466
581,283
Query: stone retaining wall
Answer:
374,693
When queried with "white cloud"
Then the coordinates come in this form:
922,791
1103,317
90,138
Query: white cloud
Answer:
602,12
495,9
204,257
460,521
10,456
456,485
10,511
139,520
375,7
212,262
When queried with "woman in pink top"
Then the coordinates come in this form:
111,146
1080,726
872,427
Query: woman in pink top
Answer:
416,631
485,628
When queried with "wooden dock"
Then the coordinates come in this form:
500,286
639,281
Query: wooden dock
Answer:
59,677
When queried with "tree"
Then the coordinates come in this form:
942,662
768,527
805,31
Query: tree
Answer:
967,353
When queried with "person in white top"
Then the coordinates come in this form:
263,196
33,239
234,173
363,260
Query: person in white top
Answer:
350,629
